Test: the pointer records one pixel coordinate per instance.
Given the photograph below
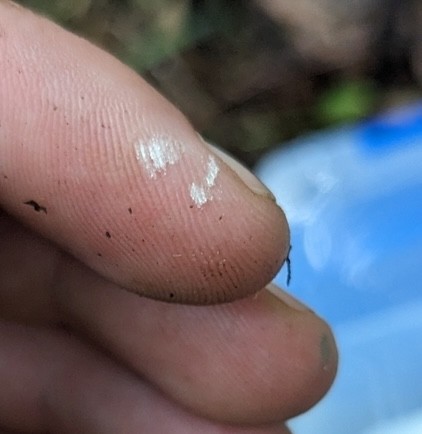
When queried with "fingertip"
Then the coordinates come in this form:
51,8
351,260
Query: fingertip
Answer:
314,362
219,250
101,164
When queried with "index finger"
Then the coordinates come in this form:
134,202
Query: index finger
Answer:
96,160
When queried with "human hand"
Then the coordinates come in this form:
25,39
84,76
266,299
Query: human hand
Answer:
105,186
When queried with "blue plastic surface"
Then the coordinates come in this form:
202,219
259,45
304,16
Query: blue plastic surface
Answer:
353,198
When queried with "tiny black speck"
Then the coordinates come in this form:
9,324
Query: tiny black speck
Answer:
99,254
289,267
108,235
171,295
130,210
37,207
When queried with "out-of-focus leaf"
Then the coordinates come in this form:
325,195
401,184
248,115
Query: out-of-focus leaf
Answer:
346,101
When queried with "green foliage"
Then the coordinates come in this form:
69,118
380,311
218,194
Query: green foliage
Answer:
346,101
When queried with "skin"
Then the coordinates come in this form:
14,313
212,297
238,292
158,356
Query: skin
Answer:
82,352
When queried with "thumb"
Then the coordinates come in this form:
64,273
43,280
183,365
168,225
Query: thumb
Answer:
97,161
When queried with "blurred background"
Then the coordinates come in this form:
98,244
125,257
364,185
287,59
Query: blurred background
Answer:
252,74
322,98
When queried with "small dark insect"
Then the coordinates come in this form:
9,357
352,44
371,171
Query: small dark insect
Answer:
37,207
289,266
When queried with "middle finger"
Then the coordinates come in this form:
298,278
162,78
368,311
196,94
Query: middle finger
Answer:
257,360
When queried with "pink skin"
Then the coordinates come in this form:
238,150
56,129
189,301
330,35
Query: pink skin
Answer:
90,357
87,117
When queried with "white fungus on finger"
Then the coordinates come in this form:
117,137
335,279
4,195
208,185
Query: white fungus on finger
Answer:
201,192
158,152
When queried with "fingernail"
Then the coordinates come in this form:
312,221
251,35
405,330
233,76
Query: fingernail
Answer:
287,298
248,178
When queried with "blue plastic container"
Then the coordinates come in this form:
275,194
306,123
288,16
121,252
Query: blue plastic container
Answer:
353,198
